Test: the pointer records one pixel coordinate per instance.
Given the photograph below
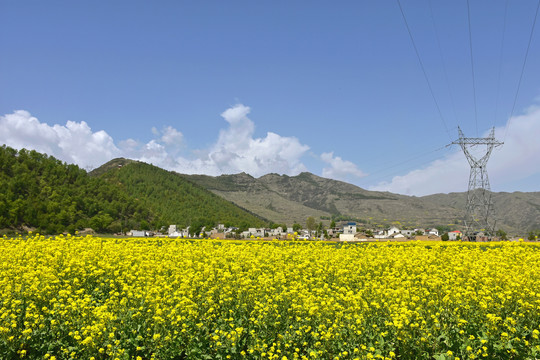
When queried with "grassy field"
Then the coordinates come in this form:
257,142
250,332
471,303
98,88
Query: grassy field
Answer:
103,298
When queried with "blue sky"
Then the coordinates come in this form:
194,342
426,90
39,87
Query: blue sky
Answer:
284,86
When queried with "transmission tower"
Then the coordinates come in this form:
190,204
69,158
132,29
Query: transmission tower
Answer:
479,213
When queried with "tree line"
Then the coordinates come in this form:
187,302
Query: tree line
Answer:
42,192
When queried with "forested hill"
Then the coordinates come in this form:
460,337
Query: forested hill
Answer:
175,199
39,191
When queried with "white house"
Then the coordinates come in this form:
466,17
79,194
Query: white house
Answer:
350,228
276,232
172,229
256,232
230,230
393,230
433,232
407,233
454,235
175,232
346,237
138,233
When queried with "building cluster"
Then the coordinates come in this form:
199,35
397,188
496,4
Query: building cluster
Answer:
346,232
350,233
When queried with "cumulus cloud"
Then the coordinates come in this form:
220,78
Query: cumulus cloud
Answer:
171,136
517,159
340,169
235,150
22,130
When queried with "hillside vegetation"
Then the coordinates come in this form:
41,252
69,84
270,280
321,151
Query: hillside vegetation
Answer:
39,191
172,198
42,193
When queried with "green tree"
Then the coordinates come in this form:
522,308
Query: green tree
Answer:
332,224
144,225
445,237
443,228
296,227
319,229
311,224
501,234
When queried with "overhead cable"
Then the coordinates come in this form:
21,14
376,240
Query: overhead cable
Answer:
500,65
472,68
423,68
522,70
443,63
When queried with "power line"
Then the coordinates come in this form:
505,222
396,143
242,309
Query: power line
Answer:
443,63
398,164
500,65
522,70
472,67
423,68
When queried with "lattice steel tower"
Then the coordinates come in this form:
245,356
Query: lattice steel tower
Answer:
479,213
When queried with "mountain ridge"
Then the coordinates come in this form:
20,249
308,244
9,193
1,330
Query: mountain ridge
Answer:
286,199
282,198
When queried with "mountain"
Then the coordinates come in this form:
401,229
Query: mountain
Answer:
284,199
517,212
41,192
174,199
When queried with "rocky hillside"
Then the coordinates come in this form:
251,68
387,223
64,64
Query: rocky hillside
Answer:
285,199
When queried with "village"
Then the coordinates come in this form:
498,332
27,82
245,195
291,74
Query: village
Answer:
347,231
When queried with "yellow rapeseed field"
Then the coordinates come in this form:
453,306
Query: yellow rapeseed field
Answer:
74,297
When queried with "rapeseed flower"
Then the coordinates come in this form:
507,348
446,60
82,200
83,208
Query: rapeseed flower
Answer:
87,297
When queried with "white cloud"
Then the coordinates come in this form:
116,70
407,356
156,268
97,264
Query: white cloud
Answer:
235,150
72,143
171,136
517,159
340,169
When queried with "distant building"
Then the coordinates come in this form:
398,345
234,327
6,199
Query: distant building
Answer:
277,232
433,232
172,229
454,235
350,228
255,232
346,237
408,232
